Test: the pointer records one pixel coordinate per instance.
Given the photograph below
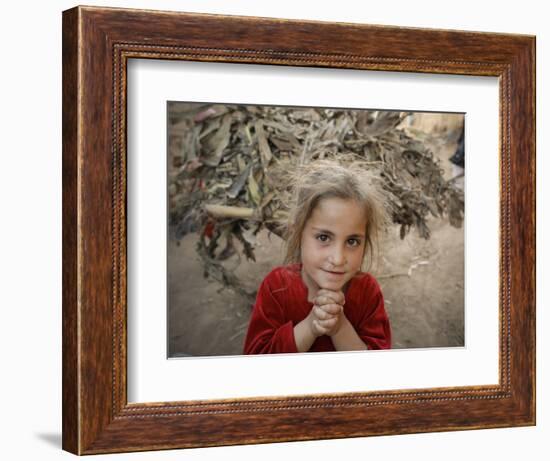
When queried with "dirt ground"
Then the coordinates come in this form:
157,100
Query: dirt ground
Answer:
422,282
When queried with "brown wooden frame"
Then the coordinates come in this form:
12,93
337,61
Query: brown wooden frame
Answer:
97,44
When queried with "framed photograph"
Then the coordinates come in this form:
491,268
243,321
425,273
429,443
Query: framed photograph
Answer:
278,230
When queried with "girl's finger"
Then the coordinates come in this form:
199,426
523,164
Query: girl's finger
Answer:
324,300
332,309
328,324
320,329
320,313
336,296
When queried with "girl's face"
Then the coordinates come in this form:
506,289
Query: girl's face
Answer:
332,244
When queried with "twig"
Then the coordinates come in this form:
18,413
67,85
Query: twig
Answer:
389,276
403,274
224,211
239,332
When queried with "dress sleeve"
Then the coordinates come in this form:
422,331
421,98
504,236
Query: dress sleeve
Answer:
374,328
268,331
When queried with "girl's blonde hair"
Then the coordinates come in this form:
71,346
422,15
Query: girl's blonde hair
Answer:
321,179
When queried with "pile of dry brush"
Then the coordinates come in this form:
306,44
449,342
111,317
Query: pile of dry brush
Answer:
227,164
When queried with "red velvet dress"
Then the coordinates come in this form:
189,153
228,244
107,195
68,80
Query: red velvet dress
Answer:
282,302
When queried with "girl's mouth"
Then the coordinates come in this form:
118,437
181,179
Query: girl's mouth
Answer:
334,272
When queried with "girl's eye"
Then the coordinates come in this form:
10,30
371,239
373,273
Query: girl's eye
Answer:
322,237
354,242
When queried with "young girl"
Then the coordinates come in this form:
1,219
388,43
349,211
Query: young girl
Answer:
320,300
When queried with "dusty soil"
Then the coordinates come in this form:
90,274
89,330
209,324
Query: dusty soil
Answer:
422,281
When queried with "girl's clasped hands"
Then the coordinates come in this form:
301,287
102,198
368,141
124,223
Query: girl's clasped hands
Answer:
327,312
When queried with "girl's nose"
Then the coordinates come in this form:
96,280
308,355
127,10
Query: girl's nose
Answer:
337,257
